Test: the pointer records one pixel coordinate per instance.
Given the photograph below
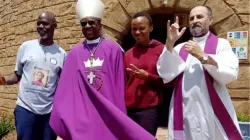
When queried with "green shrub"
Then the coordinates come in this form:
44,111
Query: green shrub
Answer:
6,125
243,118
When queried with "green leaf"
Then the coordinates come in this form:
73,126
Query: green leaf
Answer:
243,118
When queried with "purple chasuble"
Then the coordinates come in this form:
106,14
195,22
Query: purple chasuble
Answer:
84,111
217,105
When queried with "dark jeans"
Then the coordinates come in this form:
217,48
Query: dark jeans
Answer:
30,126
146,118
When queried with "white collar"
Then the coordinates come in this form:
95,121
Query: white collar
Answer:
93,41
201,39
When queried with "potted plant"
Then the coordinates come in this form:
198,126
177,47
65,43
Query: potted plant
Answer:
244,122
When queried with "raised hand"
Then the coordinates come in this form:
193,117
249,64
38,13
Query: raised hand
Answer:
138,73
173,33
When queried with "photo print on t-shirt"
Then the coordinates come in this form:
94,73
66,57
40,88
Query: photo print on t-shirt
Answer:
40,77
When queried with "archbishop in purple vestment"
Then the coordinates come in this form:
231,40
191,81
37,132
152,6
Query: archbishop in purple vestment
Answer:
89,101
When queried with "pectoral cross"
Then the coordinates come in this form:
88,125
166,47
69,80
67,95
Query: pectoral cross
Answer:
91,77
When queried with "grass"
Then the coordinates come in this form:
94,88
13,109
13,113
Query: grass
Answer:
6,125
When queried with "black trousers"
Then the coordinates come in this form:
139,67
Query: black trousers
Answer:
147,118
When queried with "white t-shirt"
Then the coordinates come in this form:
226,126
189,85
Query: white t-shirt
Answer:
40,68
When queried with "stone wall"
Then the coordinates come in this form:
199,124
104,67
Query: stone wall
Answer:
18,23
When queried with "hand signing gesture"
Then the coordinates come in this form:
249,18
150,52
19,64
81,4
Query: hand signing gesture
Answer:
194,49
138,73
173,33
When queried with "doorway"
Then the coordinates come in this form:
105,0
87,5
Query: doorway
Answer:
159,33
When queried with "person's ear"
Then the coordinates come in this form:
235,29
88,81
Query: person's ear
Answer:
151,28
55,25
210,20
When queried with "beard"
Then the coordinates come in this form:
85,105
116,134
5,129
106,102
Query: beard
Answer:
196,31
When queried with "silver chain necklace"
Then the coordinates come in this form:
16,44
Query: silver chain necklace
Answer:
44,51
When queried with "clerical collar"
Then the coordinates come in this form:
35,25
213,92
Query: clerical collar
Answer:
93,41
201,39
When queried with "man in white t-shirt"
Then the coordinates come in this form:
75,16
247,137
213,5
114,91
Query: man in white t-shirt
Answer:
38,66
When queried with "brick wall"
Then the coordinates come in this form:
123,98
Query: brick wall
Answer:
18,24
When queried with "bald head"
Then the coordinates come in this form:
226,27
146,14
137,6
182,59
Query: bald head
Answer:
49,16
46,24
207,8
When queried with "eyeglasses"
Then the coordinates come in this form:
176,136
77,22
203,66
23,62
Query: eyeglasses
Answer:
91,23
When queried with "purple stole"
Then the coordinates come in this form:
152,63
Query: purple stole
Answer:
217,105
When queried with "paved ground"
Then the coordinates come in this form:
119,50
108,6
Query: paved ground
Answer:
162,133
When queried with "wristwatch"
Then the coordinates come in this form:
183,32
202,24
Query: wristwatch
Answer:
204,59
